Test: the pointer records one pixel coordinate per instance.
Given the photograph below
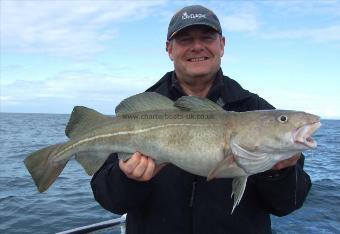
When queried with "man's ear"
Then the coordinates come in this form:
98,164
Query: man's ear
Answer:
222,41
168,48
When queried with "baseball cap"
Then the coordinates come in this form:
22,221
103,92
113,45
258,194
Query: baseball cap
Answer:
193,15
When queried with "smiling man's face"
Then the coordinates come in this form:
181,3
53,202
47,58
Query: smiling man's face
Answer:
196,52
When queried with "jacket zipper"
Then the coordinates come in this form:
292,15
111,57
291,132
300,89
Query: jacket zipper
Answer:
193,188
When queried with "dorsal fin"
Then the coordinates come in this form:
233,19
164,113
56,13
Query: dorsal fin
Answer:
144,102
190,103
83,118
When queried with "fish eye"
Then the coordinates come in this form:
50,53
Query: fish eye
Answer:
283,119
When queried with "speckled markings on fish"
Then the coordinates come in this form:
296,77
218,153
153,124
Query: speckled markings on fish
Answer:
192,133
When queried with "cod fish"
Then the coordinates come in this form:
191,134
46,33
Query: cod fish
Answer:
193,133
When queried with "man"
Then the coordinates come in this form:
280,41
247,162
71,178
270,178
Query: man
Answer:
165,199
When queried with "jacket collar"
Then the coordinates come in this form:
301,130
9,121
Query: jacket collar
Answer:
213,94
223,90
223,87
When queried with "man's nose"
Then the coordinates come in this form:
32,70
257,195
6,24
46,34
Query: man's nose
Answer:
197,45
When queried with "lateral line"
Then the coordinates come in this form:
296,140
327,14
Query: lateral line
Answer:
120,133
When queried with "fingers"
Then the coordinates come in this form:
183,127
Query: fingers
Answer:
287,162
134,166
139,167
129,166
149,171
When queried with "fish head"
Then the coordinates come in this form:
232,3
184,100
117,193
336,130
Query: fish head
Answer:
266,137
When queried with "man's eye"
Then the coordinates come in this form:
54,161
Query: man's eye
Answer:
209,37
184,39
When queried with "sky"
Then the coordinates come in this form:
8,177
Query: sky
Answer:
57,54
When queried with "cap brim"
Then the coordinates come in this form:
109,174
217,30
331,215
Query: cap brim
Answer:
191,25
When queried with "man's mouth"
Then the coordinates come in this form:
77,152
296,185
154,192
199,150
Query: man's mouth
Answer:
199,59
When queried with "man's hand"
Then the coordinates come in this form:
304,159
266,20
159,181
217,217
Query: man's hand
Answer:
287,163
140,167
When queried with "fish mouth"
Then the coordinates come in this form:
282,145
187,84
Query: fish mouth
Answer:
303,135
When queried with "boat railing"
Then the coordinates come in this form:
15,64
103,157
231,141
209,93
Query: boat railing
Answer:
99,227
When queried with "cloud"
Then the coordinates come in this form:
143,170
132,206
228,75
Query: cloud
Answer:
240,16
66,28
316,21
60,94
243,22
327,8
324,34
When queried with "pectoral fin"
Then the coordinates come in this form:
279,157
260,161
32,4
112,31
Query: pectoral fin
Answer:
225,163
238,187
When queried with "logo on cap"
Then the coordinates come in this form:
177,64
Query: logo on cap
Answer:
192,16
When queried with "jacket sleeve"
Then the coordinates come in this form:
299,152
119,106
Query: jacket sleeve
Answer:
281,192
116,192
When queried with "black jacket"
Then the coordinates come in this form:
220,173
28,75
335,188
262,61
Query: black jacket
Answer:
177,202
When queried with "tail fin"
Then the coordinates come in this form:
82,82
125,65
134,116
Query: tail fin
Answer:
42,169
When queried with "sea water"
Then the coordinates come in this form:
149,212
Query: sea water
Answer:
69,202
